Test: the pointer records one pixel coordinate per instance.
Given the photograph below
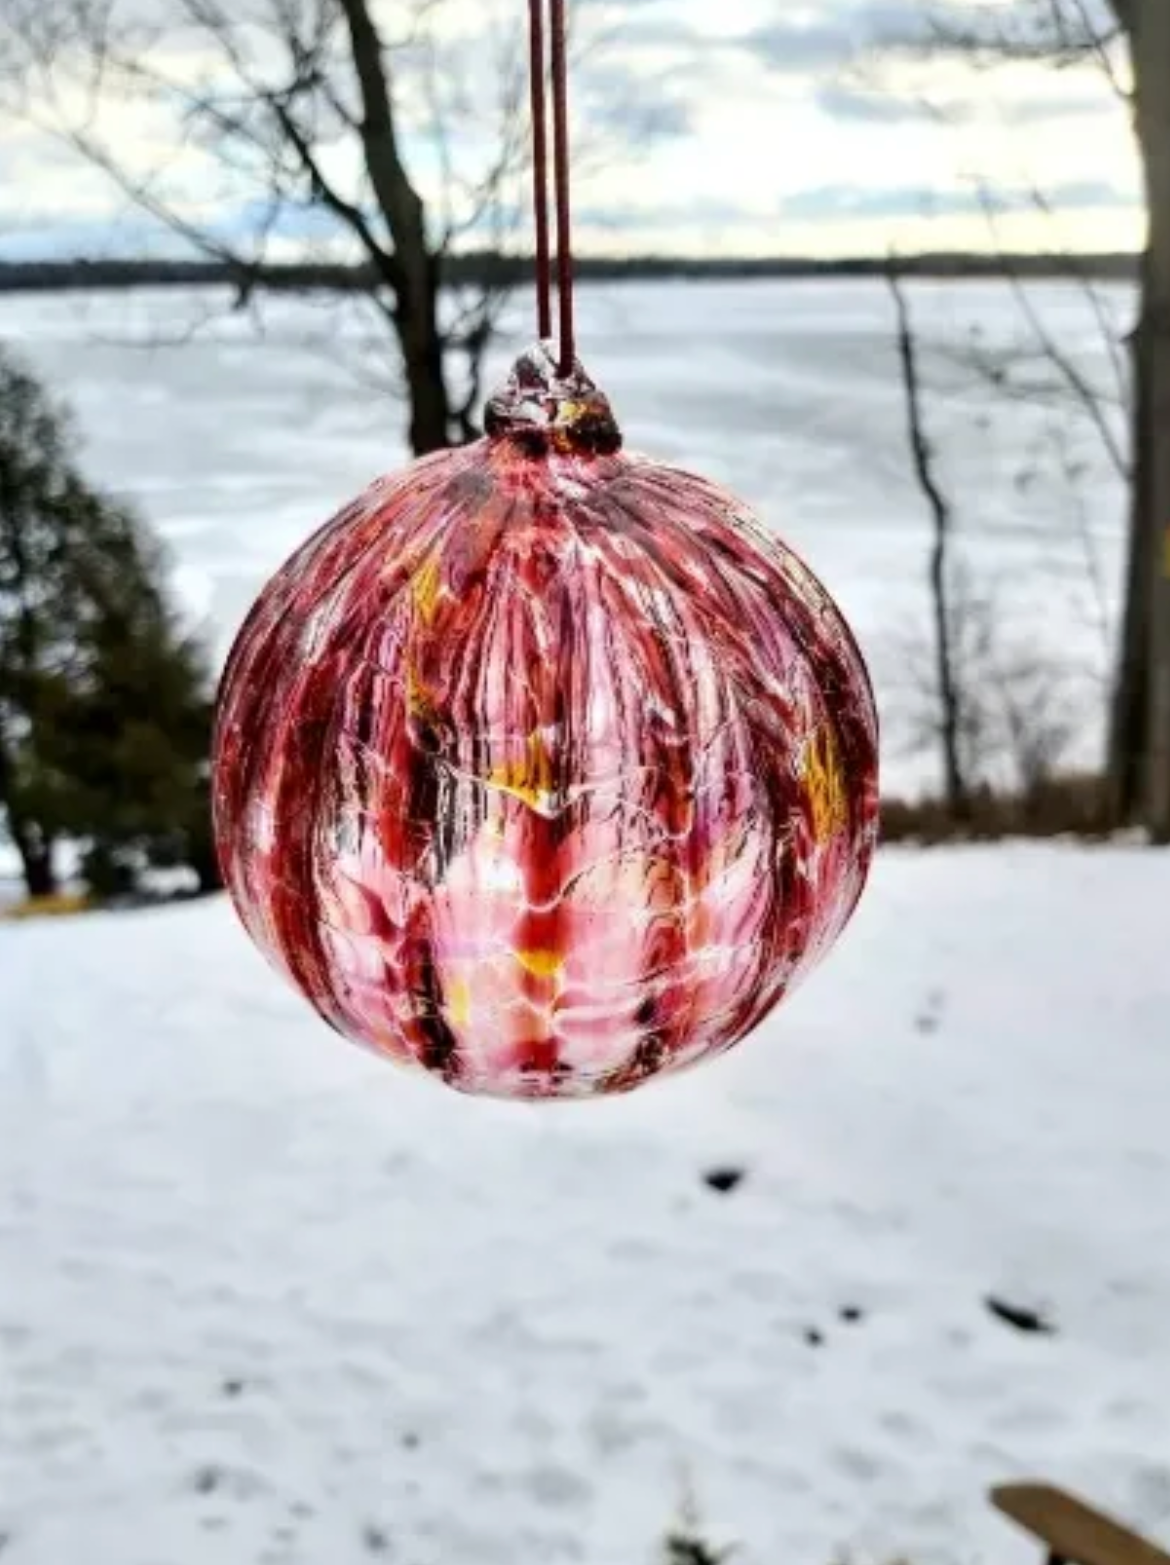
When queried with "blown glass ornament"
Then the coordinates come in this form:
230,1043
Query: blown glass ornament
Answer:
542,766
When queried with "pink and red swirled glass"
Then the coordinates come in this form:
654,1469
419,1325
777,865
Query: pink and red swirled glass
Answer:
542,766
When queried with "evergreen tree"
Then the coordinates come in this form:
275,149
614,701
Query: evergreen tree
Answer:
33,608
104,708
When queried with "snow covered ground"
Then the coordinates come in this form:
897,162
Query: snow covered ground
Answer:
265,1300
237,444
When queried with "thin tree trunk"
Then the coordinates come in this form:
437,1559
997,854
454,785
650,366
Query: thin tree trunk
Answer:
958,801
1128,711
1139,737
1151,62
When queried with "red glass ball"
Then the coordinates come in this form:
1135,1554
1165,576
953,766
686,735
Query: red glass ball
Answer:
543,766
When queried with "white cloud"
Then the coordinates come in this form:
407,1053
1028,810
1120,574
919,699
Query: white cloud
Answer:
760,107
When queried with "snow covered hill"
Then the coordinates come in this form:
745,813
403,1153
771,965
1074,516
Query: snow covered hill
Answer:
265,1300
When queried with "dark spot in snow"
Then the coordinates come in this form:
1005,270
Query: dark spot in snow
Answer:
410,1440
685,1549
1019,1316
232,1387
206,1480
375,1540
723,1179
813,1337
5,1540
851,1314
930,1013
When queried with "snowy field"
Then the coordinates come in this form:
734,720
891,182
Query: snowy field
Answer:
265,1301
236,444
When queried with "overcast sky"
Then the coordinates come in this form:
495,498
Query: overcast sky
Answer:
706,127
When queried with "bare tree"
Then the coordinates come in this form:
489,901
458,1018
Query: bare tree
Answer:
1109,34
1000,708
1018,706
308,117
922,455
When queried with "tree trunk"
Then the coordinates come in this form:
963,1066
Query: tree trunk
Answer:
36,859
1150,41
34,847
204,861
208,875
417,268
1128,713
422,354
957,793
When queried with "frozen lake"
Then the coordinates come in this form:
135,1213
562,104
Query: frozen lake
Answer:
237,441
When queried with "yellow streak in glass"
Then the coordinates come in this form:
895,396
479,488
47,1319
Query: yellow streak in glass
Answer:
530,778
541,964
425,586
459,1001
826,787
419,701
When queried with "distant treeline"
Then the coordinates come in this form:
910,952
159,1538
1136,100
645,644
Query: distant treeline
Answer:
490,267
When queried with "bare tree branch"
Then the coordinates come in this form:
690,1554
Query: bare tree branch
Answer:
950,714
1061,33
1111,336
1074,377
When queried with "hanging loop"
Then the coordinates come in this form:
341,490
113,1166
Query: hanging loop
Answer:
558,73
539,167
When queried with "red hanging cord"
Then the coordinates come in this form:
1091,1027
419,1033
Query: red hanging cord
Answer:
560,103
560,88
539,168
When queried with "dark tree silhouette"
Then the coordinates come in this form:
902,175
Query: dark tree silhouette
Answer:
104,706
